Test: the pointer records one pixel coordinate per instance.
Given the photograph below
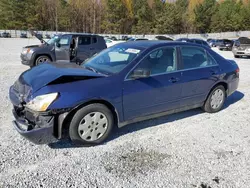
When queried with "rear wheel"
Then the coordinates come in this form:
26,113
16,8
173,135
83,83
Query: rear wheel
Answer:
215,100
42,59
91,125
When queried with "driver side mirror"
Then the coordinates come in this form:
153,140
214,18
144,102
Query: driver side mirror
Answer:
140,73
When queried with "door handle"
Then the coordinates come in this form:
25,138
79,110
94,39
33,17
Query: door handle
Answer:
173,80
91,48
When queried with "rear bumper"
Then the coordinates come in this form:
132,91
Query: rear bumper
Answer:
38,134
233,86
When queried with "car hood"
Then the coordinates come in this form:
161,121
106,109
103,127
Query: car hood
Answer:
35,46
47,73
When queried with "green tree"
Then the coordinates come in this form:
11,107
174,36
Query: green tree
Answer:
11,14
168,22
227,17
115,17
144,17
245,14
203,15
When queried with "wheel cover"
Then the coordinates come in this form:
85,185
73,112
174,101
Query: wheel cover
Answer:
217,99
93,126
42,60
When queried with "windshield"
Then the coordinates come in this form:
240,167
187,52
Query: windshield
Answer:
113,59
53,40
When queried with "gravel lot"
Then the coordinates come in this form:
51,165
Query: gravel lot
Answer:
190,149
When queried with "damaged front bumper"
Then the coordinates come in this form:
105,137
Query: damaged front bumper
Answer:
39,130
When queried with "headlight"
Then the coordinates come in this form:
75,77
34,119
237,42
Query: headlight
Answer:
26,50
42,102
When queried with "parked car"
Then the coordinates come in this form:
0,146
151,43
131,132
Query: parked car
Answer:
6,35
126,83
209,39
136,39
23,35
110,42
125,38
226,45
215,42
47,36
196,41
113,38
241,47
63,48
163,38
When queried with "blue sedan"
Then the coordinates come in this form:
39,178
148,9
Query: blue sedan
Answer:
123,84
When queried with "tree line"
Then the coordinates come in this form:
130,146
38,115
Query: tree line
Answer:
126,16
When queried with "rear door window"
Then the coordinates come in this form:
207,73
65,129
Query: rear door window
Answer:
84,40
194,57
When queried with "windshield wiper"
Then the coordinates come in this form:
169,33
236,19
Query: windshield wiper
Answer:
96,71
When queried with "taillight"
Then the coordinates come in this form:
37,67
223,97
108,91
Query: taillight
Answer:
237,72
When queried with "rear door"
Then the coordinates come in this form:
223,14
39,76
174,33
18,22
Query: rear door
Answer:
199,73
62,49
85,48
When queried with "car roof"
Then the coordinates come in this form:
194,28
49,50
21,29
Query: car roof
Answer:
82,34
156,43
197,39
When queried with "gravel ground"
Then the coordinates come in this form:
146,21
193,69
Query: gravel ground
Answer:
189,149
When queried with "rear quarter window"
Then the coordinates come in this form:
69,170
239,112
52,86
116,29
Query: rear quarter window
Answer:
94,40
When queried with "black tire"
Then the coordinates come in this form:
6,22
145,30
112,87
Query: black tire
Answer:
79,116
41,59
207,107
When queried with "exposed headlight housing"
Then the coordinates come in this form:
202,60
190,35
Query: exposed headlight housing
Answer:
42,102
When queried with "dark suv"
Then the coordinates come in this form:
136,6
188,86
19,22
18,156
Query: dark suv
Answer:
226,44
63,48
6,35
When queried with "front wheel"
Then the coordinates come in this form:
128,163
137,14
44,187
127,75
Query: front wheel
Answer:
42,59
91,125
215,100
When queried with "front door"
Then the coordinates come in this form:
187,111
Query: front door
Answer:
85,49
199,73
159,92
62,49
